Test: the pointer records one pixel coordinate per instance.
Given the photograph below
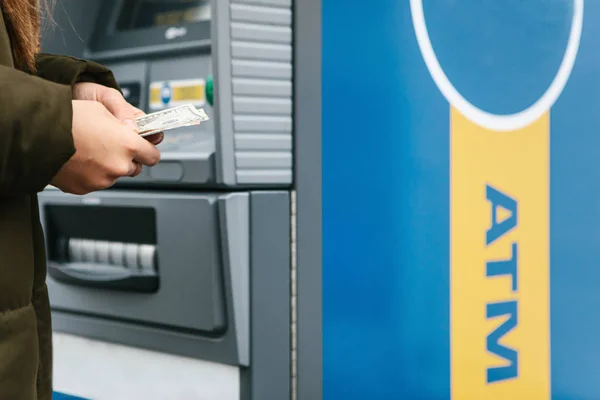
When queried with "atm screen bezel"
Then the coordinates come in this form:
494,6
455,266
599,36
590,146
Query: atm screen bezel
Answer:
108,39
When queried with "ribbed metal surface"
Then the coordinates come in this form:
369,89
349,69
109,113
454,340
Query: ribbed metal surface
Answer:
258,141
261,69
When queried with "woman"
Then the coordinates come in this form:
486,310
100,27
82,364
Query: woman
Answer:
62,122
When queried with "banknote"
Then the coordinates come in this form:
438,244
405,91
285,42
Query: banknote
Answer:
177,117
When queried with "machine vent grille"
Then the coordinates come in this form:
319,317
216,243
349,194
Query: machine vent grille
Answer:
261,69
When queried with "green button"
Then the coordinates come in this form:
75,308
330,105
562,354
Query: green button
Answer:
209,90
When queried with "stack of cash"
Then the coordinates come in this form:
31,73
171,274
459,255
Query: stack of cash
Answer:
178,117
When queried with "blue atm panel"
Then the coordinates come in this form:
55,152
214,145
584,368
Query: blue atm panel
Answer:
466,266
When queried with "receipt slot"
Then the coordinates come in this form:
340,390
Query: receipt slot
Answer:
193,256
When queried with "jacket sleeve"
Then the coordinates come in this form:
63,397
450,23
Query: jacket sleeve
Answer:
69,71
35,131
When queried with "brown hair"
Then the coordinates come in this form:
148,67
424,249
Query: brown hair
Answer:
22,19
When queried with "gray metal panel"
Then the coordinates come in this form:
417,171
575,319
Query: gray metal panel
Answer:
197,169
221,30
268,378
232,346
257,87
256,123
257,105
281,3
261,14
261,66
191,67
294,298
250,159
235,233
275,34
172,49
261,69
266,176
255,141
262,51
130,71
307,56
188,261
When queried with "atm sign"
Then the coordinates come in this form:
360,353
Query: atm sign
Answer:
166,94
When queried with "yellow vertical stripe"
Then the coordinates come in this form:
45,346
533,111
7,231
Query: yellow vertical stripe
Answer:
499,278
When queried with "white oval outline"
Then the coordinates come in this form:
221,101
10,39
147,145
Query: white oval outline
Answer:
483,118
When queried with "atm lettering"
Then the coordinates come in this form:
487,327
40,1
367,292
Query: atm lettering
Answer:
506,312
507,268
510,371
499,200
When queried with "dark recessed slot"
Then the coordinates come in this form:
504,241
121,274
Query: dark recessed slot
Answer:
108,223
128,266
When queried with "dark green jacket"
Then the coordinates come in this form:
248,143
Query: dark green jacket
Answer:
35,141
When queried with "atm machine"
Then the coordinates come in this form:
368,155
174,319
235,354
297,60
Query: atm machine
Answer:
178,283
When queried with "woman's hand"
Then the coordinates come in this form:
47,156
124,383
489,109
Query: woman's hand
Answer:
114,102
106,150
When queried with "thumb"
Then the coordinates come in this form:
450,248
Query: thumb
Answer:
116,104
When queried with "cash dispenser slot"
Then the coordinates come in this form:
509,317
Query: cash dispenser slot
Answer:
108,265
111,248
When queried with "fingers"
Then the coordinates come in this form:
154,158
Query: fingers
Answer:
144,151
133,167
122,168
116,104
138,170
147,153
137,112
